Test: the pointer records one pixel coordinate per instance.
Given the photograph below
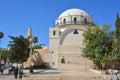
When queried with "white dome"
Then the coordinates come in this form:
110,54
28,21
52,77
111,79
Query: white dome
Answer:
74,16
73,11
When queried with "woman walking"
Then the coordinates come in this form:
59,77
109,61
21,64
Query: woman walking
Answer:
16,72
20,72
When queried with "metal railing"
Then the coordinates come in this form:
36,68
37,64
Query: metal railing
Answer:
73,22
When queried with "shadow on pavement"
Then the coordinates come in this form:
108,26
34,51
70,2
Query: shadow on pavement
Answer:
46,72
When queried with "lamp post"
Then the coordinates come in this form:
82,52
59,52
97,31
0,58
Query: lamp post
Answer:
51,53
30,69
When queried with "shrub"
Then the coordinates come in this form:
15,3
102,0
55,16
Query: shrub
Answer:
43,66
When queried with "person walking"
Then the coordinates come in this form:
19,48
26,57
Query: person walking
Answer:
10,69
2,69
20,72
115,77
16,72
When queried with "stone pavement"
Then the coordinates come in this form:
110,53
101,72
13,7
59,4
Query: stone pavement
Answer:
57,75
6,76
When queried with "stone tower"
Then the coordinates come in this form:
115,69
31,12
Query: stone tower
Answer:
29,35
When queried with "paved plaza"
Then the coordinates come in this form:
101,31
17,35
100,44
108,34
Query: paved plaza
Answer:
57,75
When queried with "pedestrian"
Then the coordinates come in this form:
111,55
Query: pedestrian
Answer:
10,69
16,72
20,75
31,69
2,69
20,72
116,77
13,69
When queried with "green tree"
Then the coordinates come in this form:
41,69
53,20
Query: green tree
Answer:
1,36
19,49
4,54
116,52
98,44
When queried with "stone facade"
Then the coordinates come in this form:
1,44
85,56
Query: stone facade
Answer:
66,39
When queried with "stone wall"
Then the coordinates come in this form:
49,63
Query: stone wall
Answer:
70,58
39,56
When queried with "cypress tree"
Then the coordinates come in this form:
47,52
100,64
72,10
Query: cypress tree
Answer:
117,25
117,35
1,36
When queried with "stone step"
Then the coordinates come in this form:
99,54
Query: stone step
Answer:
74,67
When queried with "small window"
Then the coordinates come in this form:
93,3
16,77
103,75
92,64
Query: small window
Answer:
75,32
54,32
63,60
64,21
75,20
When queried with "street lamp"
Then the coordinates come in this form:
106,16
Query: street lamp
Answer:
51,53
30,68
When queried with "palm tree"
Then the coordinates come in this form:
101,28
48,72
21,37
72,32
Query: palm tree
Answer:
35,40
1,36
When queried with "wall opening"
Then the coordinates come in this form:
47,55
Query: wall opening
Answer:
64,21
63,60
85,21
54,32
75,20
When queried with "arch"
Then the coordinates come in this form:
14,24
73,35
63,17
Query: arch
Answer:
67,31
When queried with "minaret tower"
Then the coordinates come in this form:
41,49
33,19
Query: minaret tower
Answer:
29,35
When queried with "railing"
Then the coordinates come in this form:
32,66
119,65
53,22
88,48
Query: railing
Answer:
73,22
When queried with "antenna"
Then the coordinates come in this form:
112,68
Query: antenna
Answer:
37,36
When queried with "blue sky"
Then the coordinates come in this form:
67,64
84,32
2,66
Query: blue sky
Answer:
16,16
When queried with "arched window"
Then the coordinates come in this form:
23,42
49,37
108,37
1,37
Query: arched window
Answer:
85,21
64,21
54,32
75,20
